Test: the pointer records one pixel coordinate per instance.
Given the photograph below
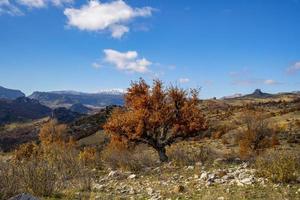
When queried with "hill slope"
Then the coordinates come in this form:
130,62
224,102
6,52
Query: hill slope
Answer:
6,93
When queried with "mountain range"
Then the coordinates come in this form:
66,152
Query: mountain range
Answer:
69,98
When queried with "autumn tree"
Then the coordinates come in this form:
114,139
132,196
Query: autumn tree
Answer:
157,116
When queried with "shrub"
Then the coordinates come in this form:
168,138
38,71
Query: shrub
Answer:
9,183
280,167
38,177
26,151
44,169
256,136
89,156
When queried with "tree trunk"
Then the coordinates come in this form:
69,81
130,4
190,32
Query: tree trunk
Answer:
162,154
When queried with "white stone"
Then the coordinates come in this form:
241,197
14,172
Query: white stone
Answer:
203,176
132,176
149,191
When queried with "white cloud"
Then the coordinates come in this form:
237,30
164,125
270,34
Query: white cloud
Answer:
248,82
96,65
33,3
184,80
61,2
112,16
6,7
127,61
117,31
294,68
13,7
270,82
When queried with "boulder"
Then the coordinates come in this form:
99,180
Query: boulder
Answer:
24,197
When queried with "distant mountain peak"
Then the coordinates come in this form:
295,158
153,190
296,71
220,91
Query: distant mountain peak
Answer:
258,94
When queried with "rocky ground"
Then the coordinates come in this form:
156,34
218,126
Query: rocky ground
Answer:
220,181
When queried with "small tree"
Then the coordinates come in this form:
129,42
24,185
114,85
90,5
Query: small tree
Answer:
157,116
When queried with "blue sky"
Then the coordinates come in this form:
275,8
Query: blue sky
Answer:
222,46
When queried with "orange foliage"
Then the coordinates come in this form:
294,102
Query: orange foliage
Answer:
157,116
52,133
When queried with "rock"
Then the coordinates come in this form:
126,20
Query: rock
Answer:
219,180
243,175
208,183
113,174
220,198
218,161
132,176
24,197
239,183
98,186
247,181
198,164
211,177
178,189
190,168
204,176
149,191
196,176
131,191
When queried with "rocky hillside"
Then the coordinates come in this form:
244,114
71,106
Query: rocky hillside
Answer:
6,93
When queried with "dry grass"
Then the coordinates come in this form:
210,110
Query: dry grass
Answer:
137,159
184,155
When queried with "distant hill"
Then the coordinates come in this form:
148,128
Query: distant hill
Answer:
6,93
64,115
69,98
79,108
22,109
232,96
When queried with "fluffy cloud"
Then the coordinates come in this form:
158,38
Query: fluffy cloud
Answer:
184,80
294,68
112,16
6,7
126,61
